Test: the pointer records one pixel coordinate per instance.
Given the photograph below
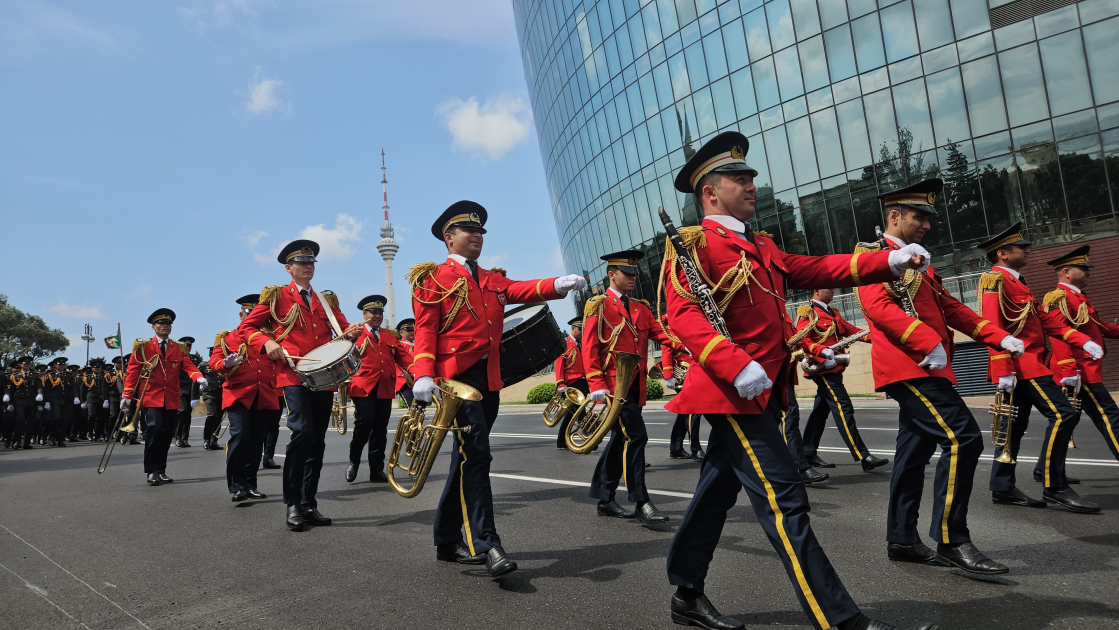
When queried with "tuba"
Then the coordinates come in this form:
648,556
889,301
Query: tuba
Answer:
420,443
1004,414
588,426
567,401
339,412
133,417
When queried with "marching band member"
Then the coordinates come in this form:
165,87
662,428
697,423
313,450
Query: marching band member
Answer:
373,388
92,393
165,361
672,355
59,395
617,323
19,398
251,399
912,360
459,310
822,327
299,322
570,373
188,399
1007,301
790,418
407,331
1075,367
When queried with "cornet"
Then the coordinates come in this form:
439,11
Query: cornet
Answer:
1002,424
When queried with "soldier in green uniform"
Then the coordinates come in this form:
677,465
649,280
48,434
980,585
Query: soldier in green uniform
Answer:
211,397
76,411
92,392
22,390
188,398
38,427
57,403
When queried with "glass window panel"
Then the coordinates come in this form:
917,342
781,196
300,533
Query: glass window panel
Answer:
757,34
1057,21
1111,153
1075,125
675,42
792,224
667,11
780,162
780,24
813,63
1022,85
633,158
998,181
697,67
880,122
829,152
705,111
613,64
685,11
903,71
637,36
832,13
673,127
860,7
820,99
976,47
648,97
912,111
899,31
837,200
622,104
984,98
735,42
723,97
703,6
729,11
772,117
749,5
1092,10
805,18
864,202
666,86
961,195
1101,40
1109,116
625,47
841,53
992,145
686,111
743,86
716,59
593,27
755,156
802,150
817,233
1085,182
749,126
709,23
940,59
795,108
788,73
1066,75
612,124
1014,35
652,24
656,137
875,80
765,83
946,100
1039,132
970,17
868,43
853,133
1040,181
934,24
998,3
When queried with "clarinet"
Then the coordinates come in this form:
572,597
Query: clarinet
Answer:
899,284
691,272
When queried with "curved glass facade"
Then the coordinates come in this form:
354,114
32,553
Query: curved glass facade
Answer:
1018,112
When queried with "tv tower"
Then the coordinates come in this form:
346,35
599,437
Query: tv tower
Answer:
387,248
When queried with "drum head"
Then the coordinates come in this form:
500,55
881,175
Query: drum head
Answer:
521,314
324,355
531,341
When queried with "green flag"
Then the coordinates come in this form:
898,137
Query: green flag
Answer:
113,343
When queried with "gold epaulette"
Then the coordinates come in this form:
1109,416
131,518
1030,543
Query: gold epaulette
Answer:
392,332
861,247
500,271
763,233
1053,297
331,299
269,294
219,340
592,305
645,302
416,274
804,310
139,343
692,236
184,346
990,281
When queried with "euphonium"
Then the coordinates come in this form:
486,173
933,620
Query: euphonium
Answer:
420,443
339,412
588,427
656,372
563,402
680,372
1002,424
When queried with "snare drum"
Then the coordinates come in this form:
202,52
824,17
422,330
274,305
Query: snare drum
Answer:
329,365
531,340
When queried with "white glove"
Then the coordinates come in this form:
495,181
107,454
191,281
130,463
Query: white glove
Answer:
105,405
670,383
424,388
1093,349
193,404
7,398
599,396
752,380
899,258
40,407
38,398
936,359
1007,383
11,407
125,402
1071,381
827,353
829,364
83,405
47,406
77,400
560,388
231,360
563,284
201,381
1014,345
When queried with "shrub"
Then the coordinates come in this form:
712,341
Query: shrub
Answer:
541,394
655,389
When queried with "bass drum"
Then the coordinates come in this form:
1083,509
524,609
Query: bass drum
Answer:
531,340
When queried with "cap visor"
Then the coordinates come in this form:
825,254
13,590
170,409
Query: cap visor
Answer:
736,167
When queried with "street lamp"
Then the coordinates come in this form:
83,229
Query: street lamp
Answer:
87,338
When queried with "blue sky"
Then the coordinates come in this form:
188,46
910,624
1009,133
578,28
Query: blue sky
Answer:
159,153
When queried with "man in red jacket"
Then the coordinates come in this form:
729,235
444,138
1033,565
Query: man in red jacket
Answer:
373,388
161,360
740,383
1006,301
298,317
674,355
250,398
460,311
407,331
570,373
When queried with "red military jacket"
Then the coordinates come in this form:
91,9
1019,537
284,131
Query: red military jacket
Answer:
1075,310
569,365
254,378
1007,302
825,329
673,353
400,380
756,275
380,361
459,320
298,329
609,327
899,342
163,386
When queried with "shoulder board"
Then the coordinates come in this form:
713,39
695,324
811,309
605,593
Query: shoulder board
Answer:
416,274
185,347
268,294
593,305
395,335
1053,297
693,237
500,271
331,299
138,344
861,247
763,233
990,281
804,310
219,340
645,302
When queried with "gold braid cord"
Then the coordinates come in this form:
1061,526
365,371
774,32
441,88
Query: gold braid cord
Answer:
1058,297
1012,315
184,346
596,306
811,327
242,351
738,276
269,295
459,290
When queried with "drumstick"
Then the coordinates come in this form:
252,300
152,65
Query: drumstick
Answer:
292,356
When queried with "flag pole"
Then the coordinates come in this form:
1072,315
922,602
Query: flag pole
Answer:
120,347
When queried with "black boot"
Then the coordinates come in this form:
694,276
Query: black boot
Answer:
699,611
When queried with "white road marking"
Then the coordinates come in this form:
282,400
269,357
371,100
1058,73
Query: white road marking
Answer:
583,484
42,592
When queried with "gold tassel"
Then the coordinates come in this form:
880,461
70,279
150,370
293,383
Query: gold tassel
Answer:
184,346
593,305
990,282
416,274
500,271
645,302
1053,297
331,299
269,294
692,236
763,233
861,247
804,310
138,344
219,340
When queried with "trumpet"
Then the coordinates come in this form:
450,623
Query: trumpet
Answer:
587,426
567,401
1075,401
812,368
1004,414
133,417
220,431
420,443
339,413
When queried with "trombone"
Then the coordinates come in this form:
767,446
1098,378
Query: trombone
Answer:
220,431
1004,414
132,415
420,443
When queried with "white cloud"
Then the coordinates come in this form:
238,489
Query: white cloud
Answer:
28,27
263,97
490,130
141,290
557,260
255,237
489,262
221,14
335,243
77,311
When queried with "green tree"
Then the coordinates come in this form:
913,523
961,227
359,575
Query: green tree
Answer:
22,334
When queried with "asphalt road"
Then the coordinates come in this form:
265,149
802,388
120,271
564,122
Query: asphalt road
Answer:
78,550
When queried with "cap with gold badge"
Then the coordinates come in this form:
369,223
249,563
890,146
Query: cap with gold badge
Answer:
162,316
920,196
406,324
372,303
625,261
301,250
725,152
248,302
1010,236
1076,258
460,214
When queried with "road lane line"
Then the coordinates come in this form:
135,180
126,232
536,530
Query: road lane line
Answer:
582,484
42,592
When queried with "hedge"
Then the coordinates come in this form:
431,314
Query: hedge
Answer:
655,389
541,394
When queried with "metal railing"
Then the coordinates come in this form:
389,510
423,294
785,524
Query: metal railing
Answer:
963,288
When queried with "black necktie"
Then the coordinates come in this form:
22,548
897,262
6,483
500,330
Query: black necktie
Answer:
1022,279
376,337
305,294
748,234
625,303
163,347
473,268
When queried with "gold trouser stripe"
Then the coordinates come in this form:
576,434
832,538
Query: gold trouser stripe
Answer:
1103,415
779,520
1052,434
975,333
783,433
953,452
855,268
709,347
462,492
843,419
909,331
625,451
1066,361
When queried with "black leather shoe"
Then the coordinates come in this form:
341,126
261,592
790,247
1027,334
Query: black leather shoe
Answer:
870,462
378,476
351,472
185,444
677,454
611,508
163,477
698,455
314,517
498,563
270,464
918,552
256,494
153,479
815,462
882,625
179,443
1039,477
239,496
700,612
295,518
1070,500
458,552
648,513
810,476
965,556
1014,496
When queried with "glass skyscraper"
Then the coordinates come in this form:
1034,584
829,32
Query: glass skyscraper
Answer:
1014,104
